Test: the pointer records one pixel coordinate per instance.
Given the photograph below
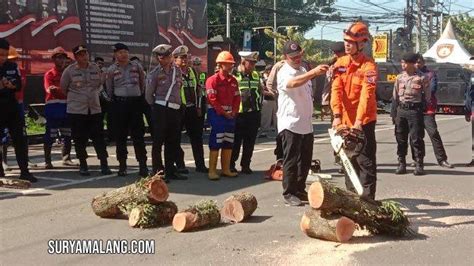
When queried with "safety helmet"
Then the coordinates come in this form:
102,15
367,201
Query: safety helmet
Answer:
357,32
225,57
58,51
12,53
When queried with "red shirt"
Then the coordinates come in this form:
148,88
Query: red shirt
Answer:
20,94
223,93
52,78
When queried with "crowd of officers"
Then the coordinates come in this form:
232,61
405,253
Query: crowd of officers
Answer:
173,96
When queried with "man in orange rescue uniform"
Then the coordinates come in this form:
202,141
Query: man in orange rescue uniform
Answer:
353,102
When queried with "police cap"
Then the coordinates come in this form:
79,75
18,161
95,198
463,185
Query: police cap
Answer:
180,50
162,49
79,49
249,56
120,46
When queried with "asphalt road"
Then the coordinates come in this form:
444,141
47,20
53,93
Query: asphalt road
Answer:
440,206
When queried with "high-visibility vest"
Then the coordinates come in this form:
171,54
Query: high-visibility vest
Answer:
189,89
202,83
250,98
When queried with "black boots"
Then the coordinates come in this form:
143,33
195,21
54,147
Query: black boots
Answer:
419,168
104,167
47,157
83,168
143,169
122,168
402,166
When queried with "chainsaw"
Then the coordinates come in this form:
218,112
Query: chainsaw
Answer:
348,143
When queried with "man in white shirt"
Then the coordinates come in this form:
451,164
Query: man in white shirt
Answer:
295,109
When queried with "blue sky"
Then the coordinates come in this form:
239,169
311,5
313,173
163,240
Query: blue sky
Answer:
333,30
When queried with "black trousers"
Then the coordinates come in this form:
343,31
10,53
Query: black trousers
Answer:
432,129
127,114
147,112
166,130
85,127
410,122
106,108
10,118
365,164
297,155
194,126
246,130
279,148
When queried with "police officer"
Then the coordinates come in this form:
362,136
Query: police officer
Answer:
81,82
411,93
224,101
125,84
193,117
249,115
105,101
429,118
57,123
163,88
202,83
10,82
353,102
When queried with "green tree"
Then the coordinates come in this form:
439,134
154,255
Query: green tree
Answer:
464,26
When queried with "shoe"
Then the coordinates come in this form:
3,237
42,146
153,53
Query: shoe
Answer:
246,171
445,164
202,169
183,170
302,195
402,166
69,162
120,172
292,200
471,164
29,177
233,170
176,176
104,168
212,173
122,168
226,155
419,169
143,172
83,168
48,165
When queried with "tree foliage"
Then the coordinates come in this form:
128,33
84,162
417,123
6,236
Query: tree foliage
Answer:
464,26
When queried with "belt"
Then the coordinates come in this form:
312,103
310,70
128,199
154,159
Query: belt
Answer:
168,104
225,107
410,105
126,99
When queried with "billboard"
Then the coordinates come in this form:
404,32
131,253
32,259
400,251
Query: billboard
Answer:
380,47
35,27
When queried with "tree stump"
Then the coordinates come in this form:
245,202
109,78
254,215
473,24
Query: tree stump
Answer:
239,207
385,217
15,183
327,226
202,214
148,215
147,190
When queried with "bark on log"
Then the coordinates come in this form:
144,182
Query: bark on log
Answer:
239,207
378,217
148,190
327,226
148,215
197,216
14,183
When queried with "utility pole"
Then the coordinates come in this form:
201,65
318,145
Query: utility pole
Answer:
227,31
275,31
418,26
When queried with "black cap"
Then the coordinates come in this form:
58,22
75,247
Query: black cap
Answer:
4,44
98,58
79,48
410,57
337,47
291,48
134,58
120,46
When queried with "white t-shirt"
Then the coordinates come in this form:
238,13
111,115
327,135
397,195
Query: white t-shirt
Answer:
295,105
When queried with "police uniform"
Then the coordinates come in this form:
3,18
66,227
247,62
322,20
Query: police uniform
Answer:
353,98
163,87
10,117
249,116
82,86
125,85
193,119
57,122
410,94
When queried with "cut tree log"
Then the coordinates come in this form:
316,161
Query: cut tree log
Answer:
146,190
239,207
15,183
379,217
327,226
203,214
148,215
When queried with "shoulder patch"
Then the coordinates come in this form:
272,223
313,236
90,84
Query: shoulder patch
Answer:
371,73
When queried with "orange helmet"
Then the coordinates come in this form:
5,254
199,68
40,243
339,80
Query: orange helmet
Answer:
357,32
12,53
225,57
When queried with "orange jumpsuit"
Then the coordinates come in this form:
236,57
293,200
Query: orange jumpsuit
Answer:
353,90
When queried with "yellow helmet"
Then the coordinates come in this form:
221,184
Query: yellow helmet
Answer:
12,53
